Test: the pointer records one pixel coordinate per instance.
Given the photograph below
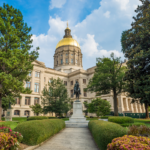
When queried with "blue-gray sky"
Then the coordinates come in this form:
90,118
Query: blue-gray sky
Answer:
96,25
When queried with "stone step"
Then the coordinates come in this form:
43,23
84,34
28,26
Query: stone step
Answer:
77,124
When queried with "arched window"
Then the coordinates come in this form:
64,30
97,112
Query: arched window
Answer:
17,112
27,113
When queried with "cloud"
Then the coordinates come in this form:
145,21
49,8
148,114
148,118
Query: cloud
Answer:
123,4
98,34
107,14
92,49
56,3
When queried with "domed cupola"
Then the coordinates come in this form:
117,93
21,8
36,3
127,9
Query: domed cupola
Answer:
68,56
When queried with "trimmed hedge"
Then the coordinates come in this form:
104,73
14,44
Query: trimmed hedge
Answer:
130,124
52,118
37,131
104,132
104,117
121,120
37,118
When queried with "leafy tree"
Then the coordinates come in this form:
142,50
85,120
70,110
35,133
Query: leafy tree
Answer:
6,101
86,106
55,97
15,55
37,109
136,47
99,106
109,74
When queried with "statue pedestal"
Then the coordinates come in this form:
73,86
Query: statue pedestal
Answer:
77,120
8,115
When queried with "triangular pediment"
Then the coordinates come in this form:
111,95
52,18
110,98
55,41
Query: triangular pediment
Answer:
38,63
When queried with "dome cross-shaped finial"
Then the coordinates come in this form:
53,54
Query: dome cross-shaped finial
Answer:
67,24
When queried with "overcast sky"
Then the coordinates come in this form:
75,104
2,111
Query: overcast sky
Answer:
97,25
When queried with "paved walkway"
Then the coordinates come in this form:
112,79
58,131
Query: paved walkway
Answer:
70,139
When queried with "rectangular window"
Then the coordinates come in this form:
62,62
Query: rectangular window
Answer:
71,93
61,54
29,73
72,61
66,61
50,81
36,100
66,54
71,82
71,54
28,84
27,100
17,100
37,74
85,93
65,83
76,61
84,81
36,87
44,79
61,61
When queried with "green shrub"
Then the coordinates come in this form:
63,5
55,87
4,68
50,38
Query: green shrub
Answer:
103,132
52,118
143,130
37,131
104,117
130,124
3,119
129,142
121,120
37,118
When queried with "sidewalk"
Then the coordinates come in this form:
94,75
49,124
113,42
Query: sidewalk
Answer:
70,139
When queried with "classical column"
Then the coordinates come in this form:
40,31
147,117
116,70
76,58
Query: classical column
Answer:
143,108
32,100
32,81
41,82
139,107
132,106
22,101
136,109
119,104
122,104
127,104
81,87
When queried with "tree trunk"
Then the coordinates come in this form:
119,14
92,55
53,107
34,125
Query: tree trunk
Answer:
115,104
147,111
0,107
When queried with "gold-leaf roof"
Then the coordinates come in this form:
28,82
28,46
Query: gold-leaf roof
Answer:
67,41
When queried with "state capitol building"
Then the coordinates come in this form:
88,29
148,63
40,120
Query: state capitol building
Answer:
68,67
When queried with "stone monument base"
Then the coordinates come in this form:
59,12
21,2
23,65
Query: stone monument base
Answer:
8,115
77,120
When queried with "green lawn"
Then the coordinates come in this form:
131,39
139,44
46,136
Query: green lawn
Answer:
15,120
146,121
11,124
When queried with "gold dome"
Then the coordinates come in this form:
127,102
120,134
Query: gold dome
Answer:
67,41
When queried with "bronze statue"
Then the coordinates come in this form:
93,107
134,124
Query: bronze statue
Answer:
77,91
